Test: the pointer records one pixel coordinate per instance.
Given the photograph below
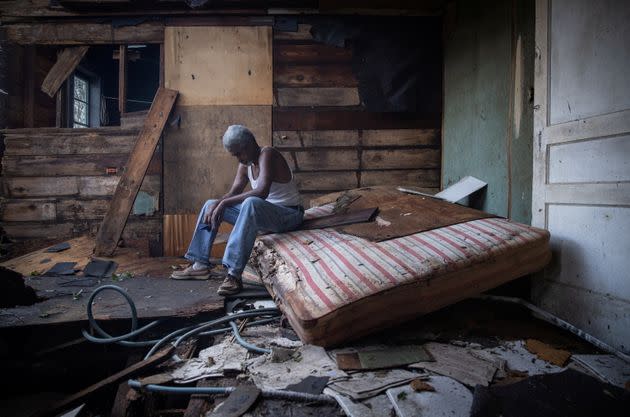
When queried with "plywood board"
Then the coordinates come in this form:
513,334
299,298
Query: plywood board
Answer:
196,166
219,65
178,230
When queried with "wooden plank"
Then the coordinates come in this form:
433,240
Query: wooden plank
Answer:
301,119
69,143
87,186
28,210
126,373
339,75
133,120
67,62
196,147
326,181
321,96
351,217
310,54
41,186
416,177
400,159
80,33
303,33
199,405
219,65
327,160
315,138
29,86
93,209
30,231
122,79
129,185
71,165
401,137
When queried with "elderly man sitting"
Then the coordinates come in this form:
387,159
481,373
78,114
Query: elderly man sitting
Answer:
272,205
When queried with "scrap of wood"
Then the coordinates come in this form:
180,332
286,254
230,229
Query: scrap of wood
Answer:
238,402
352,217
128,186
419,385
67,62
74,399
547,353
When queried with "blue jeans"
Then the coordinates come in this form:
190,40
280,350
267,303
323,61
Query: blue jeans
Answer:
250,217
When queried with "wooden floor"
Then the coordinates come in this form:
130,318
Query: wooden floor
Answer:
65,298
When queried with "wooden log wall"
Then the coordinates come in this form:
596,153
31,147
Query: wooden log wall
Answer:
56,183
328,137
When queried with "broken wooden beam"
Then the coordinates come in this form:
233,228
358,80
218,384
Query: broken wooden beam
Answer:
67,61
126,373
114,222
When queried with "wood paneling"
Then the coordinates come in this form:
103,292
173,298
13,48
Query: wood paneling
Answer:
327,160
325,96
312,53
314,76
327,136
401,158
79,33
219,65
418,177
57,187
302,119
332,181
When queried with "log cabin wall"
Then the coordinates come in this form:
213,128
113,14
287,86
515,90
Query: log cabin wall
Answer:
326,133
57,183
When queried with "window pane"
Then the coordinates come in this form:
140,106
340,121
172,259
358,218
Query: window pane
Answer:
80,112
80,89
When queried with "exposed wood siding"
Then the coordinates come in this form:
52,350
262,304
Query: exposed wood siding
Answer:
327,136
56,185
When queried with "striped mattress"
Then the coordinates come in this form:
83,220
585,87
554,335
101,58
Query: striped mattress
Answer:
334,287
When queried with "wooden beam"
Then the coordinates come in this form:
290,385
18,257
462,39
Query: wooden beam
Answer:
82,33
29,86
122,79
127,189
67,62
117,377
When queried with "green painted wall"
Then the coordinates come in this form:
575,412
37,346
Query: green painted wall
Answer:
487,128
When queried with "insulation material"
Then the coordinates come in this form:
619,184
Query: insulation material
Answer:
335,287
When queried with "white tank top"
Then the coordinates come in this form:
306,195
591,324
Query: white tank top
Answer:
283,194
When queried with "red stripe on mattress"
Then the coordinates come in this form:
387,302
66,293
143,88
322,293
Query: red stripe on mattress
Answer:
507,230
489,235
307,275
409,250
343,259
395,259
433,248
330,273
456,247
466,236
366,258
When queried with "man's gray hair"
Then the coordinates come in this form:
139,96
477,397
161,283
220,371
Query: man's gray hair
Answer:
237,137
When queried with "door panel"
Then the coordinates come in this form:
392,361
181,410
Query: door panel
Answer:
581,188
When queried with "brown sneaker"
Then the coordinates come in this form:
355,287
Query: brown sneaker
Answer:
190,273
231,285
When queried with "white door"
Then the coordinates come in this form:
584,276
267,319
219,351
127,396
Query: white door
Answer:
581,190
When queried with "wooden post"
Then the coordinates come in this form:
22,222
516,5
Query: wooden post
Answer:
122,79
161,65
114,222
29,86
